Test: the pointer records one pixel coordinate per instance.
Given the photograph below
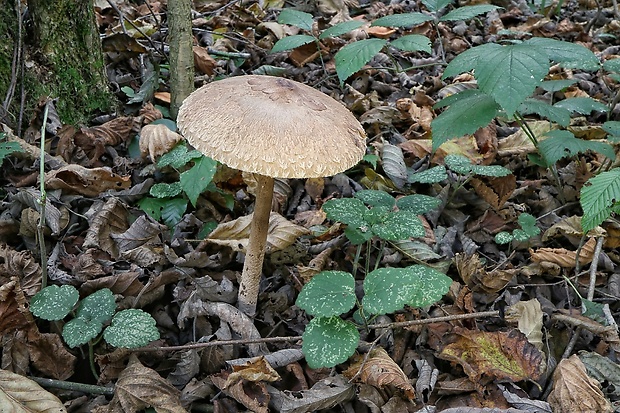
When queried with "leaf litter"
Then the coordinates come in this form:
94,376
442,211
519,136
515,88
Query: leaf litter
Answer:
186,276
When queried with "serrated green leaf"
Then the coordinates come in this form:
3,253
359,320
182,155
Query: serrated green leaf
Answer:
8,148
561,144
593,310
165,190
291,42
399,225
80,331
555,114
598,197
503,238
376,215
569,55
612,65
389,289
130,329
341,28
412,43
557,85
98,307
404,20
169,209
417,203
371,159
329,293
352,57
467,61
612,127
494,171
53,302
376,198
528,224
510,74
349,211
196,179
459,163
582,105
430,176
464,117
329,341
468,12
436,5
178,156
296,18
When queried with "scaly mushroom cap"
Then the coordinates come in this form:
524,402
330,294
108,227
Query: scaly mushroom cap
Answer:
272,126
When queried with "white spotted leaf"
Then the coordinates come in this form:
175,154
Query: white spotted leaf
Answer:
329,341
54,302
130,329
98,307
329,293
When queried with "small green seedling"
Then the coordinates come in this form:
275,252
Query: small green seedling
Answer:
528,230
128,328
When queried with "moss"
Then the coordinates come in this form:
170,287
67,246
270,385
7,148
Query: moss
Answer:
8,27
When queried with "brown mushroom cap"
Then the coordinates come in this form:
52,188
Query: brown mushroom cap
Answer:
272,126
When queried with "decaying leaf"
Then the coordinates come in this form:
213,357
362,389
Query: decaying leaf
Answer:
253,395
495,191
529,318
105,220
139,387
257,369
93,141
379,370
31,197
22,266
325,394
203,61
50,356
563,257
478,278
20,394
602,369
76,179
574,391
235,234
156,140
186,368
498,355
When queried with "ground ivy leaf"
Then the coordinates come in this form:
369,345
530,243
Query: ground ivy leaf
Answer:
329,293
376,198
349,211
131,328
98,306
329,341
80,331
398,226
417,203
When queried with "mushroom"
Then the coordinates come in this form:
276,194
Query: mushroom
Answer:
274,128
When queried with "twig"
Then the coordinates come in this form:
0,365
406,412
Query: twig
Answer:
593,267
42,200
70,385
431,320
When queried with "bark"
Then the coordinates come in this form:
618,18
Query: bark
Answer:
181,53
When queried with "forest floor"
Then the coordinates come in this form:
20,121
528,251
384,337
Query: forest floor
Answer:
525,326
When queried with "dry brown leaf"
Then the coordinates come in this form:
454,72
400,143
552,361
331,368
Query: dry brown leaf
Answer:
380,32
574,391
529,318
477,278
150,113
156,140
22,266
84,181
254,370
139,387
20,394
203,62
125,283
495,191
571,229
563,257
15,356
11,318
50,356
235,234
379,370
94,140
498,355
253,395
105,220
325,394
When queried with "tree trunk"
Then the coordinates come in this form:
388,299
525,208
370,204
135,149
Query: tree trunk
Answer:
181,53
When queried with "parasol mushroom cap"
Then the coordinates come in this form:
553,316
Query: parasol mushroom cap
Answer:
272,126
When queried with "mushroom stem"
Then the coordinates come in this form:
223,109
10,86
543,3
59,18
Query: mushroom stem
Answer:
253,264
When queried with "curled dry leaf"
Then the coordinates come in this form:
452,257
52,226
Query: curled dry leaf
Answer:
156,140
94,140
477,278
11,316
495,191
31,198
379,370
50,356
203,62
76,179
105,220
575,391
187,366
498,355
141,243
325,394
235,234
257,369
563,257
150,113
252,395
22,266
19,394
529,318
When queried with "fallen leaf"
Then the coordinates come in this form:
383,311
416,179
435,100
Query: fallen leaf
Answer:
325,394
563,257
89,182
478,278
20,394
50,356
495,191
574,391
529,318
253,395
254,370
156,140
203,61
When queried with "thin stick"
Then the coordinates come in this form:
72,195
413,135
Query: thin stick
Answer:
43,200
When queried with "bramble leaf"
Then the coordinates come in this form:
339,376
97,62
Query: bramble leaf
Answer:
352,57
195,180
291,42
412,43
404,20
562,143
468,12
569,55
341,28
582,105
559,115
296,18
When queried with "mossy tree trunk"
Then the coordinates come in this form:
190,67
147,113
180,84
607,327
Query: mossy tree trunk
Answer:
63,58
181,52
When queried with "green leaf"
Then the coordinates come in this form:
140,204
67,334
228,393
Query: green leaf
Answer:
329,341
352,57
494,171
178,156
296,18
570,55
582,105
555,114
376,198
528,223
54,303
130,329
468,12
357,236
398,226
459,164
341,28
510,74
561,144
195,180
80,331
292,42
412,43
436,5
503,238
404,20
169,209
598,198
557,85
430,176
467,61
349,211
165,190
417,203
520,235
389,289
593,310
463,117
8,148
612,127
612,65
371,159
327,294
98,307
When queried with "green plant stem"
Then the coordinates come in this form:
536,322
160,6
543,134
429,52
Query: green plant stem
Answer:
356,260
73,386
367,263
91,359
380,254
42,201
